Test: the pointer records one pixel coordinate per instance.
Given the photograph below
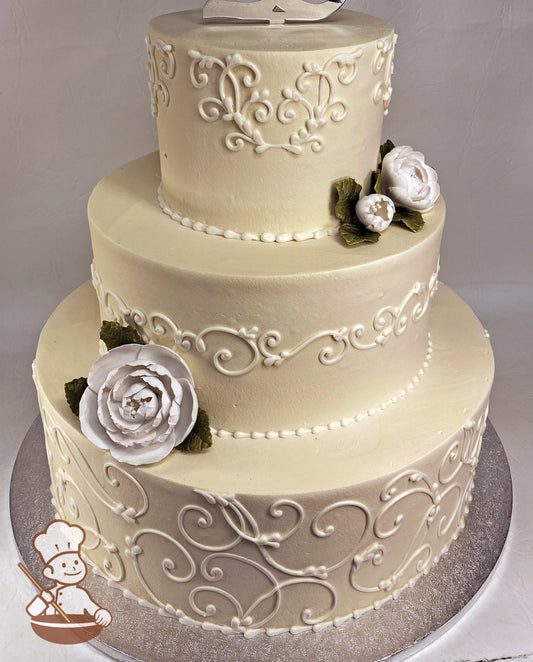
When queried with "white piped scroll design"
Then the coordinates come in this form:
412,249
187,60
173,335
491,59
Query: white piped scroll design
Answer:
447,505
161,68
73,502
193,569
235,100
405,541
384,60
264,348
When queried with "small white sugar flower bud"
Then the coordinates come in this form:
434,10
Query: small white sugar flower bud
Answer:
375,212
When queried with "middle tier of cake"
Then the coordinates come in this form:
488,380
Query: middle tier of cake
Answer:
282,339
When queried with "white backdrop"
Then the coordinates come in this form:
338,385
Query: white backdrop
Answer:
74,104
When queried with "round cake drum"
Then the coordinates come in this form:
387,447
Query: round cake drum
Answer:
413,620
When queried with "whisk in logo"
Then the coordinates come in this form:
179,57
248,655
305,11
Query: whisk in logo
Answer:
65,612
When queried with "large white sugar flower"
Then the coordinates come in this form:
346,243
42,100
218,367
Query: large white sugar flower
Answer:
139,403
408,180
375,212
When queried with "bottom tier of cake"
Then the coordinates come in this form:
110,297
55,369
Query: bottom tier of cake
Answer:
283,534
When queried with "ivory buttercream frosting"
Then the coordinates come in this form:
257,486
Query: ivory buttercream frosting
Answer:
347,390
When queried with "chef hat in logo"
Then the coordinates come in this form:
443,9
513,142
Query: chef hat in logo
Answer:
59,537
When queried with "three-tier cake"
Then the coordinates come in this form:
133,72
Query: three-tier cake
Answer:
346,395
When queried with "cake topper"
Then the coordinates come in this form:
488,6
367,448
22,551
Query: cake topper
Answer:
270,11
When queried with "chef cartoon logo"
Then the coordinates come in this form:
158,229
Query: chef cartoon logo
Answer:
65,612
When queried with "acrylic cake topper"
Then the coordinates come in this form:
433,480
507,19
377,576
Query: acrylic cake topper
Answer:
270,11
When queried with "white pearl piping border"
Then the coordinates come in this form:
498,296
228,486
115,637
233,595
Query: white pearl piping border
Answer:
266,237
334,425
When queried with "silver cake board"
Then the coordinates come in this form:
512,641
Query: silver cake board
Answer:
410,622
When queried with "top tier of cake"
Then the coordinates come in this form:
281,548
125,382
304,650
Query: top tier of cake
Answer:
256,122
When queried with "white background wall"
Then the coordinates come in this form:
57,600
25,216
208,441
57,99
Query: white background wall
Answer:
74,104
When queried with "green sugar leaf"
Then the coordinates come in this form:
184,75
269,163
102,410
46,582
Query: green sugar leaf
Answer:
114,335
376,181
354,233
411,219
387,147
73,392
199,438
348,191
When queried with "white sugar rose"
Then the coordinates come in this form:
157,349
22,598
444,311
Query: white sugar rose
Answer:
375,212
408,180
139,403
